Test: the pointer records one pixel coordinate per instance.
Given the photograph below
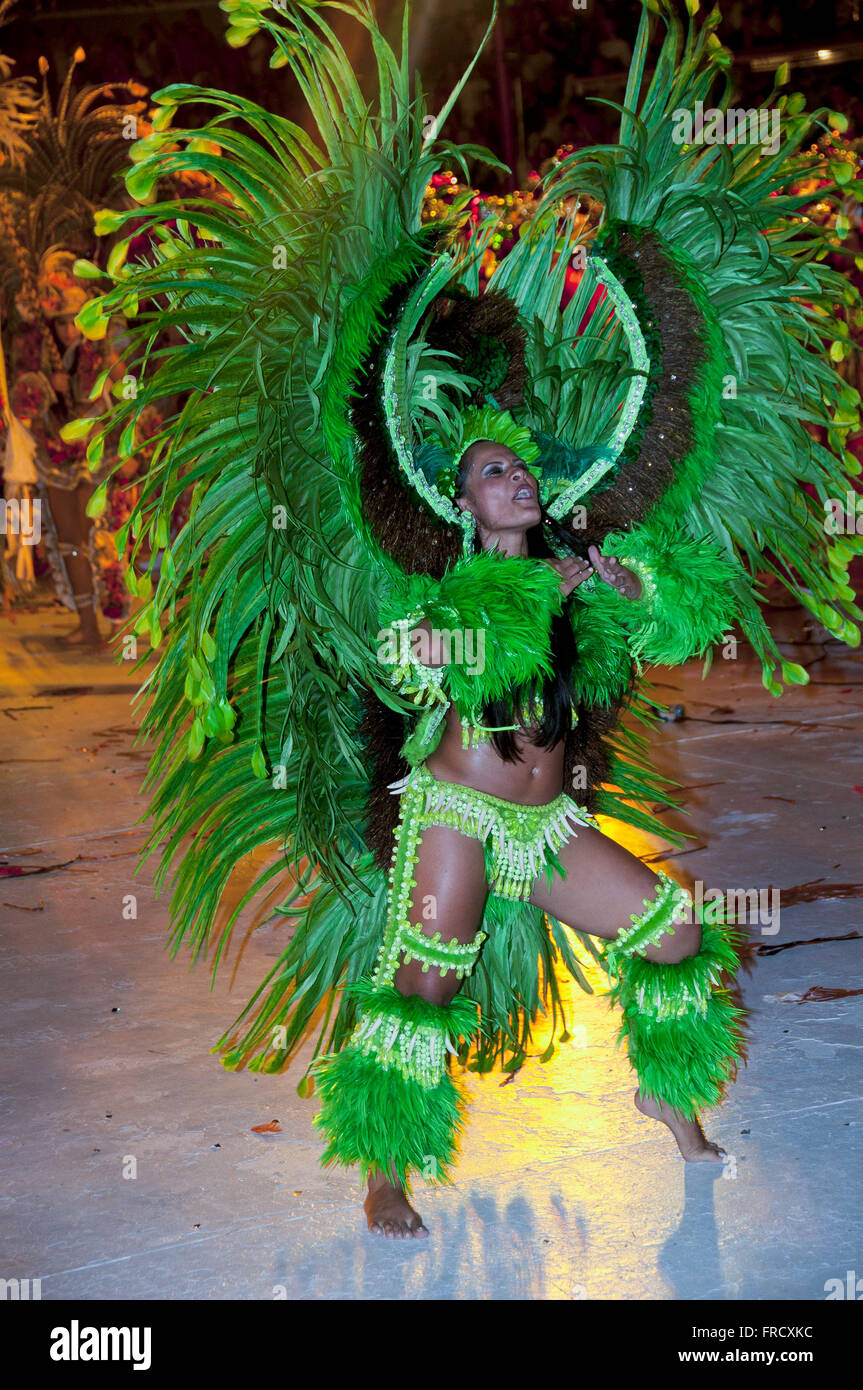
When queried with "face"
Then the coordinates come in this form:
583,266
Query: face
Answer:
499,489
66,329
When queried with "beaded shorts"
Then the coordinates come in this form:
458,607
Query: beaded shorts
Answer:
520,842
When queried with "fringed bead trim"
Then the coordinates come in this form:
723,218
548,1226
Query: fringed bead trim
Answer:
659,1001
416,1052
409,1034
520,840
668,906
424,684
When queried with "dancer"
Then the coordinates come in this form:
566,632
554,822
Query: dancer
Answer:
435,536
487,812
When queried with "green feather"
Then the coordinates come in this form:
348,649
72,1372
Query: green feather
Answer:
379,1119
683,1062
510,600
689,602
271,595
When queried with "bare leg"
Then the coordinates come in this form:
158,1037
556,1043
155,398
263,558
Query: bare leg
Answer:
691,1140
604,886
73,533
449,897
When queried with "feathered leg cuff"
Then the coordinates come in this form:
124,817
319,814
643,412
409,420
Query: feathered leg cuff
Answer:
681,1027
389,1101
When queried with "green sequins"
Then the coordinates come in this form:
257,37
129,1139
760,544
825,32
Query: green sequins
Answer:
649,586
520,841
669,905
443,955
566,499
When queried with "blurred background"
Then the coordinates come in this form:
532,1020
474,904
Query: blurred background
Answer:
535,86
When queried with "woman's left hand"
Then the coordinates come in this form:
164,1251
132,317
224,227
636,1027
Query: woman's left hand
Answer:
615,574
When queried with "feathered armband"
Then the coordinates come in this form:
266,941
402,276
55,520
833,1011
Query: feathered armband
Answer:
488,619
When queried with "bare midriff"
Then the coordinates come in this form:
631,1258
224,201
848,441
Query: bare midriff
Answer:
536,779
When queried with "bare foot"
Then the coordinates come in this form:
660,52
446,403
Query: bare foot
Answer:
688,1133
389,1212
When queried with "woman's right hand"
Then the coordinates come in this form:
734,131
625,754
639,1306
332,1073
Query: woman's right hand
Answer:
573,570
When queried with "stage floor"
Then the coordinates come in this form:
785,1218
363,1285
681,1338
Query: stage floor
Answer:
132,1169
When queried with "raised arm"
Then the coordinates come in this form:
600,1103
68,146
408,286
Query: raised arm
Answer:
688,597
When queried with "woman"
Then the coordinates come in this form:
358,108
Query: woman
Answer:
340,478
594,885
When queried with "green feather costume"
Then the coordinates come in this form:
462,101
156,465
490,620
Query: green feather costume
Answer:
331,351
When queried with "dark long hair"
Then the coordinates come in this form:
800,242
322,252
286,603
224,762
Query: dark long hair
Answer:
556,691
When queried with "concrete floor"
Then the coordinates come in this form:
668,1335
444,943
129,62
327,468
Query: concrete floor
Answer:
563,1191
